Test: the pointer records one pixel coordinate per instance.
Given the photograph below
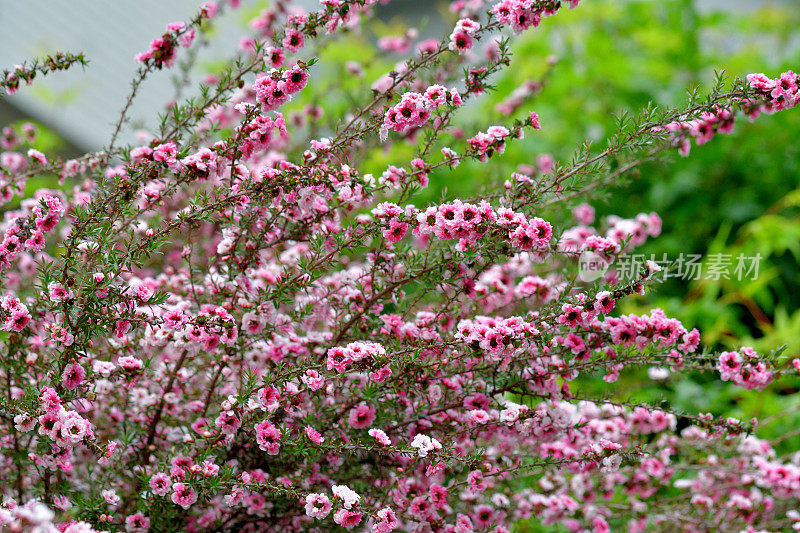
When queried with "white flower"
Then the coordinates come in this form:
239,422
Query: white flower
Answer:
110,496
511,412
611,464
425,444
652,267
73,427
658,373
347,494
103,368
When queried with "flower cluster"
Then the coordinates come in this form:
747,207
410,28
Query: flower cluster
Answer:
469,222
494,140
415,109
773,95
461,39
275,88
522,14
779,94
15,314
621,234
340,358
259,134
163,50
493,335
744,368
26,228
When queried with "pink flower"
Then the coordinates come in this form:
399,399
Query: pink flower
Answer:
228,422
425,444
483,515
380,436
380,375
318,506
396,231
276,56
729,364
269,398
313,380
534,120
761,82
130,363
209,469
17,320
572,315
111,498
346,518
57,292
62,502
50,425
388,521
476,482
295,79
478,417
38,156
175,319
293,40
268,437
314,435
187,37
460,41
161,52
50,400
137,523
24,423
183,494
339,359
690,341
361,416
74,428
73,376
160,483
584,214
542,232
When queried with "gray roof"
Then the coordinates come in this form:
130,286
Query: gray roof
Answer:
81,104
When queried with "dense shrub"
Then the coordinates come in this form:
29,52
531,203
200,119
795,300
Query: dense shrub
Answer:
232,327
